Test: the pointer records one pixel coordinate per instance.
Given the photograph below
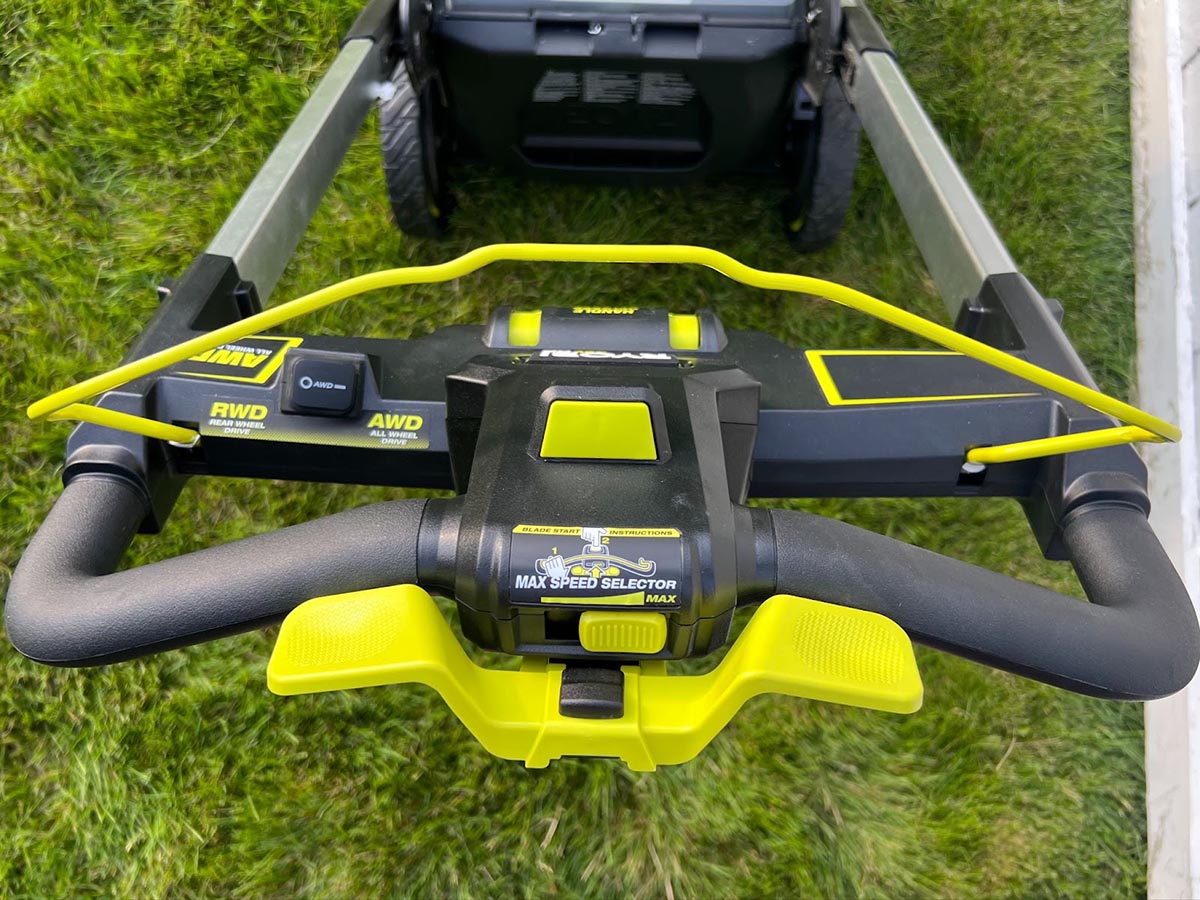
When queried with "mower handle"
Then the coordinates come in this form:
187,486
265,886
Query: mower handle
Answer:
67,606
1138,639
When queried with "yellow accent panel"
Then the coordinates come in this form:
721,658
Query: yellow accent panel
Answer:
264,374
816,360
1153,428
685,331
599,429
636,599
622,632
525,327
792,646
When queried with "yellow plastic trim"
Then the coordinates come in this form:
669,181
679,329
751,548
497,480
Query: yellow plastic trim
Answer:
792,646
599,429
1155,427
833,396
685,331
601,631
525,327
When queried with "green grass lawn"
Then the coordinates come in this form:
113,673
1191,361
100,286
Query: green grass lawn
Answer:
127,131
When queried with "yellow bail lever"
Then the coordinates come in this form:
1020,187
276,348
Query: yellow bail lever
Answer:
792,646
71,402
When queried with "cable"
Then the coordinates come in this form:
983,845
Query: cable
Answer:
1140,425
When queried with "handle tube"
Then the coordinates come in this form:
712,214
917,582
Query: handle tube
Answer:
66,606
1137,639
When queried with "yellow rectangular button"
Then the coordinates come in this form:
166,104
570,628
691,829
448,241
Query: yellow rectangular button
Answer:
599,429
601,631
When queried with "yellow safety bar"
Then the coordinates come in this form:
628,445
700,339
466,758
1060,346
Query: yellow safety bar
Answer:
1139,424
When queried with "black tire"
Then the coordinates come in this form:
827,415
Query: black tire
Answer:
412,164
815,211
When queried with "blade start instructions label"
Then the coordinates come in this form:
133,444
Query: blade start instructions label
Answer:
596,566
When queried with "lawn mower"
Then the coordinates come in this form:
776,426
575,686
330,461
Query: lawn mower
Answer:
631,93
601,460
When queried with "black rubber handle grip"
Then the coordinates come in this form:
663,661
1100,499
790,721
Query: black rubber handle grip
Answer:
1136,640
65,608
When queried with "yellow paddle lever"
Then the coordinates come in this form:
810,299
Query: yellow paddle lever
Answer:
792,646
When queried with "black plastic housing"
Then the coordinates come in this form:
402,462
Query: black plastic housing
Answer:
666,96
704,415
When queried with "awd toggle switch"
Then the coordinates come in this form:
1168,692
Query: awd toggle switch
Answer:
317,383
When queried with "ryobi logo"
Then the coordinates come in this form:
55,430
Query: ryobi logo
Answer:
606,356
396,422
253,412
604,310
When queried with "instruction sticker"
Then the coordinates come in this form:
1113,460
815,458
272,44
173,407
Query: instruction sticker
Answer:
397,430
665,89
251,360
596,566
556,85
606,86
389,430
229,418
609,87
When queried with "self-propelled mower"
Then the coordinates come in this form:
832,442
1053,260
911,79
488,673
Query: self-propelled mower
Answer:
602,460
650,92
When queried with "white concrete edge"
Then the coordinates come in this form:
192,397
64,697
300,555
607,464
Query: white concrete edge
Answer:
1166,319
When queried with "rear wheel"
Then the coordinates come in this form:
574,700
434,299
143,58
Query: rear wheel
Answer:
815,210
412,163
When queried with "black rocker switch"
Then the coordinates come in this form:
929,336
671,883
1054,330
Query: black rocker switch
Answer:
322,384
